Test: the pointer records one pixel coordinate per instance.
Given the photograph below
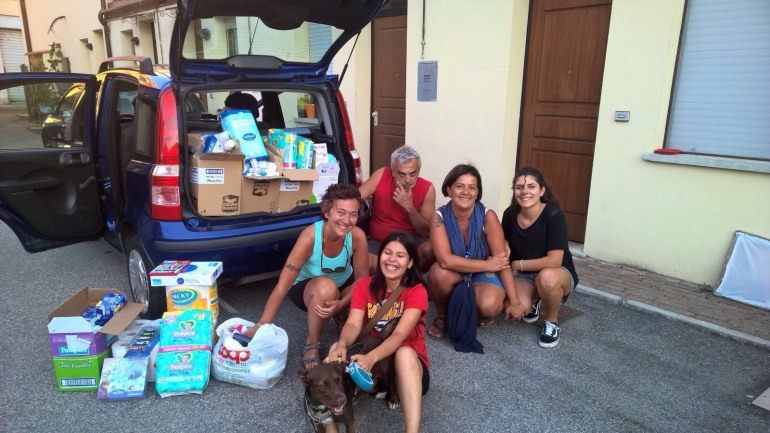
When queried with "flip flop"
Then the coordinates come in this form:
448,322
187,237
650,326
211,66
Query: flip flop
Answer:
439,325
311,359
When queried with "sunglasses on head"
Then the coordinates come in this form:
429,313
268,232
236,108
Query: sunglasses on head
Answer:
338,268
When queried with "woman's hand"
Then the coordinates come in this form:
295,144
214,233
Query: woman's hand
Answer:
365,361
328,311
514,311
498,262
338,352
251,331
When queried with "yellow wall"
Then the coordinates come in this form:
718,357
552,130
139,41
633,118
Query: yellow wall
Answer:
480,53
10,7
69,32
676,220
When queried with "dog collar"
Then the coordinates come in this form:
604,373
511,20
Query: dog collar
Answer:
318,413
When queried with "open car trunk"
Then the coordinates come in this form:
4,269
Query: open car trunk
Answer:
298,126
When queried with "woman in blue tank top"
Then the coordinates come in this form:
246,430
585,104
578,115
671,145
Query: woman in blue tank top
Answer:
323,265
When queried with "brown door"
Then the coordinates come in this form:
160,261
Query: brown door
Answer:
562,88
388,88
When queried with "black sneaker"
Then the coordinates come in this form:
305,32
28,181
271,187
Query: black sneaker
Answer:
550,335
533,314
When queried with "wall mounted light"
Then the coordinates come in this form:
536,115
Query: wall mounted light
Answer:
135,40
205,34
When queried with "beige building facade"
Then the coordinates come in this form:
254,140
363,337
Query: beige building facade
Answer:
675,216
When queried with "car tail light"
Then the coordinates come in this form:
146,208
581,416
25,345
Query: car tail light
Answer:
165,200
357,169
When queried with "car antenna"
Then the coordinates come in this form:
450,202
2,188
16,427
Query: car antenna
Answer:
345,68
253,34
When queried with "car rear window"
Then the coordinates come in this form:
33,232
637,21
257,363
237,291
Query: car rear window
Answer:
224,37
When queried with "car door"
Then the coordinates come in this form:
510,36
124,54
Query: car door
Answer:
48,195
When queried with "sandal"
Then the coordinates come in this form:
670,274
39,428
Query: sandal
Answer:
311,359
437,330
486,322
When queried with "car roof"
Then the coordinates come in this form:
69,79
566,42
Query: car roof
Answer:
160,77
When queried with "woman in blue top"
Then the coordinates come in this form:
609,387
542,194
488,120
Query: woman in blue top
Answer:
323,265
468,243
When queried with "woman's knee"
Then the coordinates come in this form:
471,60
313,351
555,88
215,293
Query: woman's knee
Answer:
489,300
552,280
442,279
406,358
321,289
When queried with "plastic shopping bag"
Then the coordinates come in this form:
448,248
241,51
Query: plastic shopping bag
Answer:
259,364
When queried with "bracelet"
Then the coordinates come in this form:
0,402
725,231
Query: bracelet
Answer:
521,265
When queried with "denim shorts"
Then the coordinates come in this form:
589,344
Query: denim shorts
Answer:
529,277
487,278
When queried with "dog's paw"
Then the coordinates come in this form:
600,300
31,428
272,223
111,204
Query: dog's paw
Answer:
394,405
381,395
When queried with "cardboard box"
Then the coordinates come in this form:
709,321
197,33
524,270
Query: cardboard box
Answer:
71,335
79,373
196,273
215,180
292,188
195,288
296,187
260,193
328,174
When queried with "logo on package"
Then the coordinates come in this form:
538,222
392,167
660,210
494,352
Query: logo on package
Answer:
230,203
183,296
237,356
260,188
249,136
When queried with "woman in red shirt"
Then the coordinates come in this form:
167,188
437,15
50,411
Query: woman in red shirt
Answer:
398,265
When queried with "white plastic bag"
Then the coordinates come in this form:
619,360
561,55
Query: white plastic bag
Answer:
259,365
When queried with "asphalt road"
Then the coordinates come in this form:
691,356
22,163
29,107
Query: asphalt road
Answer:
615,370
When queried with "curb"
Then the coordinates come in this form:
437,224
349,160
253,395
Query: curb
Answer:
649,309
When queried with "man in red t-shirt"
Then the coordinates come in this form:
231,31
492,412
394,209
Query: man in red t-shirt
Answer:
401,200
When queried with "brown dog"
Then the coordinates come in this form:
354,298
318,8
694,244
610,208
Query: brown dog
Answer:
329,390
329,394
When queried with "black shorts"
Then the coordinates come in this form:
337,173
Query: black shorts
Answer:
297,292
425,378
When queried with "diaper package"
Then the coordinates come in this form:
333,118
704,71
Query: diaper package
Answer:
185,372
241,126
186,330
184,358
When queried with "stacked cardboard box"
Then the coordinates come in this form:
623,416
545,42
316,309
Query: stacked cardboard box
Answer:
79,351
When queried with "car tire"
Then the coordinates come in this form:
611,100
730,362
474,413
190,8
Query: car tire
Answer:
138,265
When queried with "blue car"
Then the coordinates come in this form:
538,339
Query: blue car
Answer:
118,162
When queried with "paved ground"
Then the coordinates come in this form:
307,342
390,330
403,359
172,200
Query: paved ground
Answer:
675,299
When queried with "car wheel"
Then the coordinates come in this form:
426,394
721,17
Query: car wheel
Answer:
153,298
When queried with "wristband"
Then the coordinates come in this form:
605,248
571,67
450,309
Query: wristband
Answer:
521,265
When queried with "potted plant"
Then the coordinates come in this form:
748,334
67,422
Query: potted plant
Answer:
305,106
